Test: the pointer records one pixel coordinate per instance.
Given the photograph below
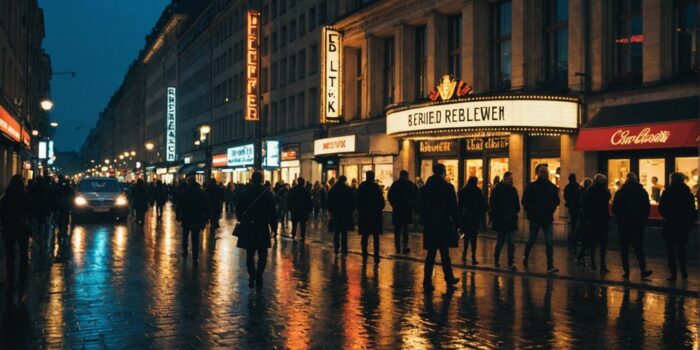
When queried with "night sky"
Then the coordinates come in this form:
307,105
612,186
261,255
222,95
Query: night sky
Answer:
97,39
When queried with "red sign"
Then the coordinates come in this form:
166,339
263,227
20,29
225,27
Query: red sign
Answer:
10,127
650,136
218,160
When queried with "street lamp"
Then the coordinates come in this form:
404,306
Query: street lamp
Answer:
35,132
133,153
149,146
46,104
204,131
106,161
53,124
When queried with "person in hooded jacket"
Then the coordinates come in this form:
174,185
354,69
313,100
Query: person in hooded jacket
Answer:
437,206
596,202
193,212
631,210
341,205
300,206
140,200
504,208
472,207
15,213
370,203
402,197
677,207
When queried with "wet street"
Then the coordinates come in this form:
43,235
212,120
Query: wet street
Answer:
121,286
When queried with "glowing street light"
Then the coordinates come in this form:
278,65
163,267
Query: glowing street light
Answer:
46,104
35,132
133,153
53,124
149,146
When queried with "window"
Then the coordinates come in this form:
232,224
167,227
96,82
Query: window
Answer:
266,14
274,41
301,110
283,71
312,18
289,122
275,76
274,8
454,46
283,36
313,113
266,45
302,63
322,12
689,167
314,59
420,62
358,83
553,164
292,68
302,25
617,173
686,41
292,30
629,41
263,76
389,71
556,41
282,116
283,6
501,50
652,175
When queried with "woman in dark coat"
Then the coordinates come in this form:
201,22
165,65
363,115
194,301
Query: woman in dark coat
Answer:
677,206
215,198
596,213
341,205
299,203
193,213
403,194
370,203
15,211
256,211
161,198
504,208
472,207
140,200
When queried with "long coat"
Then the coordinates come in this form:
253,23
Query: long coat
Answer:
437,205
139,197
341,205
15,210
504,207
192,208
472,207
402,197
677,206
259,219
370,203
299,202
541,199
596,214
631,208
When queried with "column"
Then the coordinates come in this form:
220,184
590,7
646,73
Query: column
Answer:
516,164
350,66
372,85
577,44
475,45
436,45
408,158
518,38
656,26
601,38
404,37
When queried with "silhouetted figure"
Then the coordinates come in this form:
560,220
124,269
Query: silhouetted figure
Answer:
64,204
472,207
15,213
193,211
581,225
341,204
140,200
677,206
215,200
403,194
256,211
300,205
43,200
316,191
161,197
504,207
370,203
572,198
540,200
437,206
596,213
631,210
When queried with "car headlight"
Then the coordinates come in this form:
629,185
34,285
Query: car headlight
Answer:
80,201
121,201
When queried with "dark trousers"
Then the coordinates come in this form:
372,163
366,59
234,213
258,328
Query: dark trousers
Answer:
253,270
365,242
303,229
159,210
573,230
22,242
602,248
340,241
188,232
62,223
229,206
636,239
430,263
503,237
400,237
470,238
140,214
547,228
675,247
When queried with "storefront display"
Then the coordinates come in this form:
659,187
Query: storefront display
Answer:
554,166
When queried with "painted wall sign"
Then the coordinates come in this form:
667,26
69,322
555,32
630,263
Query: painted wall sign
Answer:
241,155
486,143
171,125
252,68
331,75
677,134
335,145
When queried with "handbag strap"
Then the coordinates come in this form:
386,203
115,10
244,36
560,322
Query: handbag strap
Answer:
245,213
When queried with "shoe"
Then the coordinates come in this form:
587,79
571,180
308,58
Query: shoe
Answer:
406,250
251,282
626,275
646,273
525,263
452,282
684,275
604,271
512,268
552,270
671,278
474,262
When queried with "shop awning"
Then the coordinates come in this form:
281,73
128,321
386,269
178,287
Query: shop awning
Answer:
649,125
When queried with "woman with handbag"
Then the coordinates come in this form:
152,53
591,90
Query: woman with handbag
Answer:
15,209
256,215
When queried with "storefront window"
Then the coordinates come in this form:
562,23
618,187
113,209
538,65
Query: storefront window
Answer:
554,168
385,176
351,172
474,167
617,173
426,169
452,170
689,167
365,169
497,167
652,175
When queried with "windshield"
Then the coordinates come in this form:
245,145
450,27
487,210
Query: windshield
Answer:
99,186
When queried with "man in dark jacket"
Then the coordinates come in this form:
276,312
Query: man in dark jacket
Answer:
256,210
193,213
161,197
572,194
341,205
596,215
472,207
215,199
15,210
438,208
370,203
64,204
300,205
42,204
402,197
505,207
540,200
631,210
677,206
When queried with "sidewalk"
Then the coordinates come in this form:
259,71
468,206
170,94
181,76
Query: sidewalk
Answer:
317,233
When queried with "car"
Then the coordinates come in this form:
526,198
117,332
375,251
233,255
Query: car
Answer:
100,197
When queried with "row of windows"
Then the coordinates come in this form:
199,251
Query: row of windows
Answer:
228,90
228,127
290,69
229,26
155,107
291,112
200,77
195,107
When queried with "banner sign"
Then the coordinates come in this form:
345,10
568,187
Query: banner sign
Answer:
170,125
219,160
241,155
251,62
632,137
335,145
271,157
43,150
331,75
10,127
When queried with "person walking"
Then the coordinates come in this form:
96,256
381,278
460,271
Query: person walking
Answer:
370,203
316,199
572,194
540,200
677,207
596,213
402,195
64,204
15,213
472,207
581,225
300,205
341,205
437,205
43,199
504,208
161,194
193,211
281,196
141,200
631,210
228,197
256,211
215,200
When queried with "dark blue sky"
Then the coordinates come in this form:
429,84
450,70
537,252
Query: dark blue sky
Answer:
98,39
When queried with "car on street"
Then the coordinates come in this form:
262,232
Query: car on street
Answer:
100,197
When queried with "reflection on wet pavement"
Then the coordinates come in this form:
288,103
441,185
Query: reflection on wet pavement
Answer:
119,286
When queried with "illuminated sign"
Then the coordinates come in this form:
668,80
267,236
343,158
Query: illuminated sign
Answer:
677,134
485,114
331,75
271,155
241,155
290,152
170,125
334,145
219,160
50,150
10,127
449,87
43,152
486,143
436,146
251,61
